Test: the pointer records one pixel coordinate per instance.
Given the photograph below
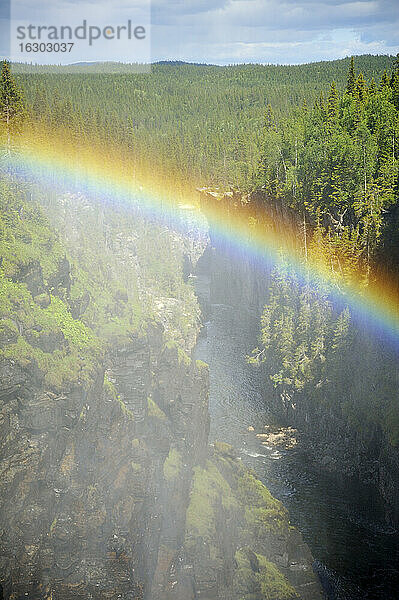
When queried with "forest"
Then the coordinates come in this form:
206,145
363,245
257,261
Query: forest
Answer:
337,165
322,138
203,123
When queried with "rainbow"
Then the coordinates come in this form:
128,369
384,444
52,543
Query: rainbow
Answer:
56,160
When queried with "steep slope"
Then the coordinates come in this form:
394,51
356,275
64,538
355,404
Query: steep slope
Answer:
347,420
108,487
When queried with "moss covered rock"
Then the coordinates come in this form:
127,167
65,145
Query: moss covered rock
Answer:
230,508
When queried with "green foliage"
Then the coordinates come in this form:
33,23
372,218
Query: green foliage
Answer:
350,86
297,326
115,288
25,235
263,513
209,487
225,490
200,123
338,164
52,526
64,349
274,586
111,391
201,365
57,315
256,578
11,102
45,332
109,388
314,355
129,414
333,157
61,314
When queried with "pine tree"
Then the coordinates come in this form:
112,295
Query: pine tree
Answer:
269,118
395,67
321,107
361,88
384,80
359,94
372,87
332,108
395,82
340,332
350,86
11,103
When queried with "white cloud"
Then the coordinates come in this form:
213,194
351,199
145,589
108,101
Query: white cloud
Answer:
278,31
252,30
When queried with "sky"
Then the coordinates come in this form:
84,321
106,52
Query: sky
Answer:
234,31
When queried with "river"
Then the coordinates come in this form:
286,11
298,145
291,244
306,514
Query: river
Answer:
356,553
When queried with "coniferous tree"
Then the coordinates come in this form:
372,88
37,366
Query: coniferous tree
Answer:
395,83
350,86
332,108
384,80
11,103
360,88
269,119
395,67
372,87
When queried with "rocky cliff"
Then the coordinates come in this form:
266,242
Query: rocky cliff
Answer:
244,279
82,488
336,442
108,486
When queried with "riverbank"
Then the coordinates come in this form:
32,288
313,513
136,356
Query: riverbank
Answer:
342,520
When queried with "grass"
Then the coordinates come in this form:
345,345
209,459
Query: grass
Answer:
111,391
201,365
274,586
263,513
256,577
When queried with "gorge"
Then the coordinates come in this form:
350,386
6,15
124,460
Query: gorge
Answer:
198,394
345,496
109,487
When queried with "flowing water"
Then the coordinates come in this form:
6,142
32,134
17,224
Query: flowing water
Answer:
356,553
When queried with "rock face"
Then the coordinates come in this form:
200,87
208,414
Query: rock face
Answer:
83,490
339,448
327,436
245,279
108,488
238,542
113,492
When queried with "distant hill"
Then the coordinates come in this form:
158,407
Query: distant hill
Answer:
176,63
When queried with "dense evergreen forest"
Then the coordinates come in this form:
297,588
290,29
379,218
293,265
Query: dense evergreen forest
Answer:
204,123
337,164
323,138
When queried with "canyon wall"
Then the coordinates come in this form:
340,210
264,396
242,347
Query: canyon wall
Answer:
108,486
329,438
